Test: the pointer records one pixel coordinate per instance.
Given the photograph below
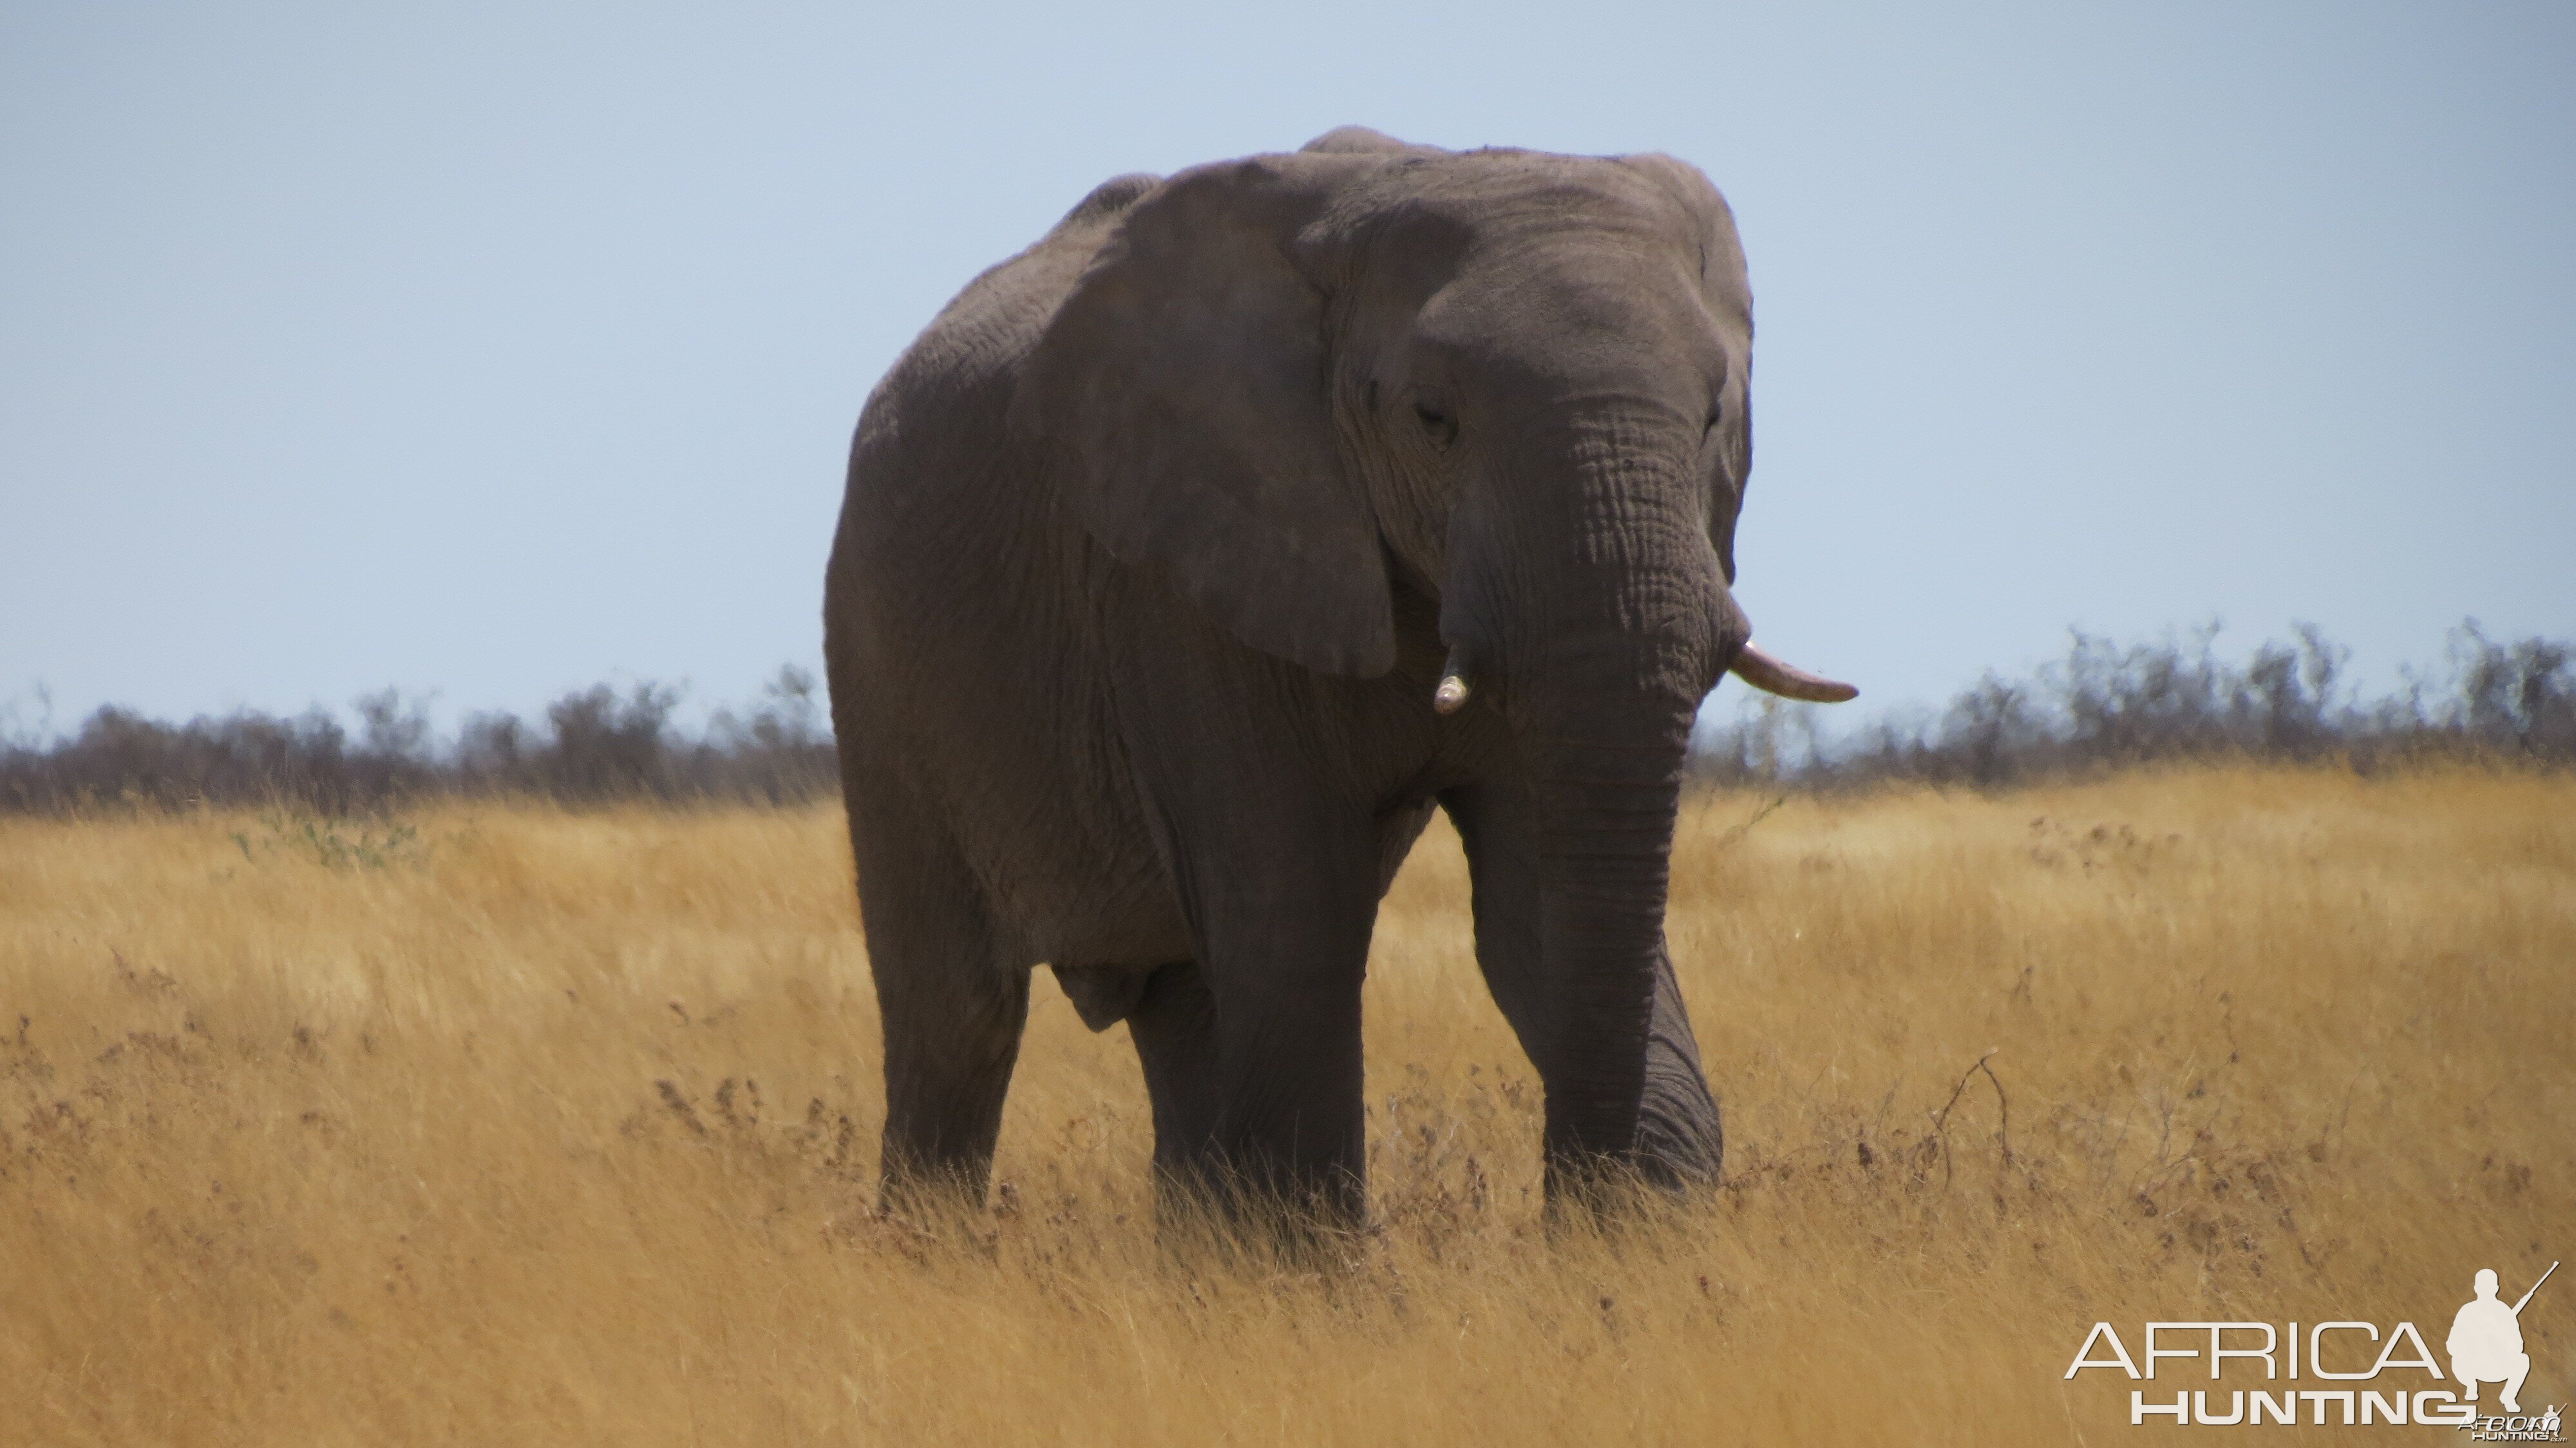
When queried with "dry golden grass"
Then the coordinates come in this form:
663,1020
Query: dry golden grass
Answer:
531,1127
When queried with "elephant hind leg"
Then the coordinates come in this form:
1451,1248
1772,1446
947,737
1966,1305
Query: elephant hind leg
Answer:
952,1037
1173,1026
953,999
1171,1021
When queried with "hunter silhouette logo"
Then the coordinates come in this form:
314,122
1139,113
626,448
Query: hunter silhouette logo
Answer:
2363,1377
2486,1341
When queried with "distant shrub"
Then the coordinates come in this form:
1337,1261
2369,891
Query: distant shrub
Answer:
594,746
2107,706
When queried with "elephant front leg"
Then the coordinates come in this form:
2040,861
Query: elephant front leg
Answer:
1679,1141
1173,1027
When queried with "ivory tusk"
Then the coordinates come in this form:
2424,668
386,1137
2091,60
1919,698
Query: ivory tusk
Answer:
1451,696
1788,681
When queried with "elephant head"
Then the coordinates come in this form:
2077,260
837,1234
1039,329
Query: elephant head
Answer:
1510,382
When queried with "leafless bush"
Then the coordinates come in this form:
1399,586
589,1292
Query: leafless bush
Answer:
595,745
2107,706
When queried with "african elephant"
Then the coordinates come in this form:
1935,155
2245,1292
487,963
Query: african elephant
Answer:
1192,556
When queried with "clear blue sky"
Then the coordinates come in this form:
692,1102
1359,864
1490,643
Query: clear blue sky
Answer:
497,349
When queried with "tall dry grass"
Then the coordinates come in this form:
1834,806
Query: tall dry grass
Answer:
518,1126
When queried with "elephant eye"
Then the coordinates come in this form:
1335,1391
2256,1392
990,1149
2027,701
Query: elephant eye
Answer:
1716,415
1435,419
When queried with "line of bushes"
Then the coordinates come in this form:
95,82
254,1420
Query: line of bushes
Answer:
2108,706
594,745
2104,706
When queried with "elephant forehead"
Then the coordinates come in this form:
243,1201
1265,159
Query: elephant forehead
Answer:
1488,197
1569,240
1560,311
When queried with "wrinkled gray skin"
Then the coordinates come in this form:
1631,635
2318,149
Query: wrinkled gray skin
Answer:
1154,547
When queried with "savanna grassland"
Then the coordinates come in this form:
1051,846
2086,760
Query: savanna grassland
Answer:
506,1124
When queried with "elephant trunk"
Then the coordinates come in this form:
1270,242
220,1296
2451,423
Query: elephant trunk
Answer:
1608,786
1600,659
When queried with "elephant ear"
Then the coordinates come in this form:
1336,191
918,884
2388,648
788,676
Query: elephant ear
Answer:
1181,392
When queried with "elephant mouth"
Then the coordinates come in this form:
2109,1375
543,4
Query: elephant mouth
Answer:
1759,667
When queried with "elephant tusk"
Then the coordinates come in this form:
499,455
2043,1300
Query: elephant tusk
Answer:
1788,681
1451,696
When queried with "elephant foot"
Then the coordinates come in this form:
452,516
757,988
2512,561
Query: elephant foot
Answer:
1311,1225
926,1197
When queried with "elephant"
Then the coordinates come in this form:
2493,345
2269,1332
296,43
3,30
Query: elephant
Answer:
1193,556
